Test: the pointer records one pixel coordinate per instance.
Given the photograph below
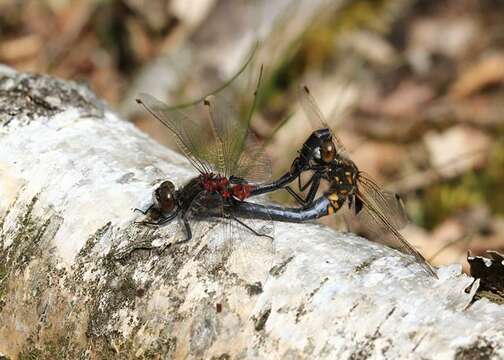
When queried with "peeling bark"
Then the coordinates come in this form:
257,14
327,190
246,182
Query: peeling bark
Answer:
80,280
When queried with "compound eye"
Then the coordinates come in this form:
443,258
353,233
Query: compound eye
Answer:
328,151
165,196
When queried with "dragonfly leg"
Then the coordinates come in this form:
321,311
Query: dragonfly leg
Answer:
318,170
248,227
187,229
167,219
303,187
278,184
314,182
162,220
296,196
237,180
144,211
313,189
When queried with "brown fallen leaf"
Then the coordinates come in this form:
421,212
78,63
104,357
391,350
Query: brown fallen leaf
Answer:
406,99
20,48
455,143
489,70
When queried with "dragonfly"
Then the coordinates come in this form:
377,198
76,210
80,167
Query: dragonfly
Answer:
379,213
228,159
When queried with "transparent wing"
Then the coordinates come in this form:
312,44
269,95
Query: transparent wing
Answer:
374,221
232,244
313,113
223,144
389,203
188,134
254,164
253,248
238,152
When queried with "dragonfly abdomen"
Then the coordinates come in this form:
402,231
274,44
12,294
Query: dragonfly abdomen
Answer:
336,201
319,208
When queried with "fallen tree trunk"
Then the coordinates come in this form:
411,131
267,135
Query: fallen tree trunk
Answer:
77,278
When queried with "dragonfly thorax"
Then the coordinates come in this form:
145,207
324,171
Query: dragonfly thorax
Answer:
215,183
342,176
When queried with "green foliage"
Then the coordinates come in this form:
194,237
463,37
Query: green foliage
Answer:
494,178
443,200
317,47
478,187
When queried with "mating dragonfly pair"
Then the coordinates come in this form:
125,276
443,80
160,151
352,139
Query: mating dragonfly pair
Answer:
233,168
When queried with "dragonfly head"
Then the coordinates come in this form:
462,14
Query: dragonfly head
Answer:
328,151
325,153
320,147
165,197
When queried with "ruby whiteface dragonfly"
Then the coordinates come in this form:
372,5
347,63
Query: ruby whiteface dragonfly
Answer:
229,161
377,213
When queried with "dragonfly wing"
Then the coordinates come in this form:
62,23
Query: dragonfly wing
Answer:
315,116
232,244
228,131
373,221
388,202
254,164
239,153
253,248
212,150
207,221
187,133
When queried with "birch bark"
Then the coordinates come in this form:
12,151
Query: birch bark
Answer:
71,171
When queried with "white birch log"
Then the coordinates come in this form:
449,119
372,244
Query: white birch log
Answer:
71,172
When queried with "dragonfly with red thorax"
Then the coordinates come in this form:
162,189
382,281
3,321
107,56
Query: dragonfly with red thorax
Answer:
229,161
226,155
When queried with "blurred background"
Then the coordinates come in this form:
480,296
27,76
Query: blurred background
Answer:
414,89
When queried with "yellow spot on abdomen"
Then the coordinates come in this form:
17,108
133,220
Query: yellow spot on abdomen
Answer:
333,197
